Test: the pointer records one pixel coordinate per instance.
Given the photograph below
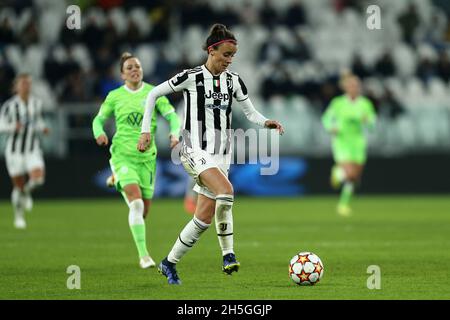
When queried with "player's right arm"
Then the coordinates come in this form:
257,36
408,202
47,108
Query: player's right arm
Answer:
105,112
7,124
329,118
176,84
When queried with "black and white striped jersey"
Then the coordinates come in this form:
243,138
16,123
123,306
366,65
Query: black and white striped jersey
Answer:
29,115
208,100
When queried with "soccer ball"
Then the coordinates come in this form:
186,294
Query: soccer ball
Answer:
305,268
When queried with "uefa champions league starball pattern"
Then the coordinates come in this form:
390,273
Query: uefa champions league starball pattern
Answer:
305,268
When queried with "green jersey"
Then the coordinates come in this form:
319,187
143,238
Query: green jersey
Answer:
349,118
128,108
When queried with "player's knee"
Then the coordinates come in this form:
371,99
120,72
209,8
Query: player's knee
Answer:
226,188
133,194
38,181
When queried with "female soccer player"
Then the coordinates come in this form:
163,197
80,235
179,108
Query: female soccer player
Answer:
21,118
345,119
133,171
205,154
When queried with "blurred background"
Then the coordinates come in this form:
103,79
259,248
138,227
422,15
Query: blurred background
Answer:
291,54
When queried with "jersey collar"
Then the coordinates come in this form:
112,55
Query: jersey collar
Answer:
134,91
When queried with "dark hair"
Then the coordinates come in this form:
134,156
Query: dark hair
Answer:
125,56
218,32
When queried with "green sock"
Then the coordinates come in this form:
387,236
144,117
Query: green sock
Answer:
138,231
346,193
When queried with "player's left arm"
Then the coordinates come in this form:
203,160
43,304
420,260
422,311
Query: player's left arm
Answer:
370,116
41,126
168,112
241,95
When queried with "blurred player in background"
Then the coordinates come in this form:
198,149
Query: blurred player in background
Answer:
345,119
134,172
190,197
21,118
205,154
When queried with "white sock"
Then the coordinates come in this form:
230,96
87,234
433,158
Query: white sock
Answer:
33,184
136,213
187,238
224,222
17,202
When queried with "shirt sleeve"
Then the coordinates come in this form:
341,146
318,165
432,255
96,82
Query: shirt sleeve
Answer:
179,82
329,119
105,112
241,92
251,113
40,123
370,115
158,91
168,112
6,122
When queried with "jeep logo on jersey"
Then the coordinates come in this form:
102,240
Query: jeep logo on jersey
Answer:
217,95
134,119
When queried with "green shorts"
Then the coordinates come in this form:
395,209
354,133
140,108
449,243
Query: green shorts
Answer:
127,171
349,152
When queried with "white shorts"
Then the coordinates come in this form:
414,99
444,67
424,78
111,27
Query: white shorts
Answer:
197,161
21,164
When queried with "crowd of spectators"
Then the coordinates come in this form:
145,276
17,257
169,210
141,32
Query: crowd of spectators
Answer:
73,82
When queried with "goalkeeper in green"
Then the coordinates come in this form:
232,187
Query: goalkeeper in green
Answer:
134,171
346,119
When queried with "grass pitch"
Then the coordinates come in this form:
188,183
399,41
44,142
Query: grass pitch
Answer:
407,237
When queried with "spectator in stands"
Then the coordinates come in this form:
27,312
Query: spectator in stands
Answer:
409,21
295,15
7,75
272,50
268,15
359,68
29,34
133,34
110,35
74,89
248,15
277,82
108,82
443,66
341,5
161,27
229,16
425,69
92,35
52,68
385,67
104,58
298,49
389,106
6,32
164,69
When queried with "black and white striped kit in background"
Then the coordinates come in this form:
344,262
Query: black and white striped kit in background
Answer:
23,146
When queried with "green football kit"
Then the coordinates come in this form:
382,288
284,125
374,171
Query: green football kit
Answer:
349,119
128,164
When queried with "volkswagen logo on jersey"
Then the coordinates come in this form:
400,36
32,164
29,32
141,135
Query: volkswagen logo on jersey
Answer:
134,119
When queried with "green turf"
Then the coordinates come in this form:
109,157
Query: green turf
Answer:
407,237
